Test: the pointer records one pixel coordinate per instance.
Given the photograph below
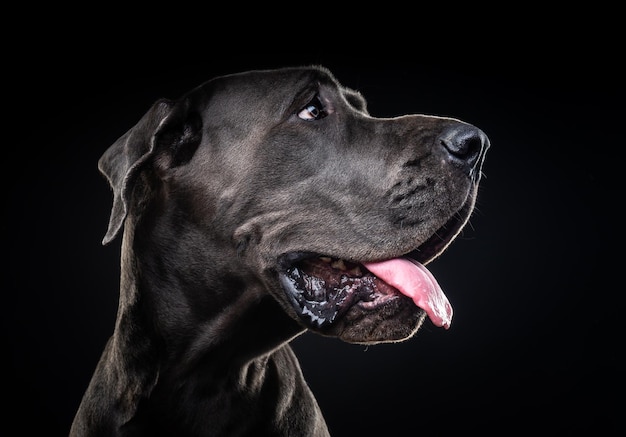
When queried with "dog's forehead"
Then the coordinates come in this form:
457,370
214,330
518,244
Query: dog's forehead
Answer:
284,78
268,87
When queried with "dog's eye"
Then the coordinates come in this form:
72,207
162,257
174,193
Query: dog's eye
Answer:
314,110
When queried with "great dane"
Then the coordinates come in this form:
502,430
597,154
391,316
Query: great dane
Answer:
255,207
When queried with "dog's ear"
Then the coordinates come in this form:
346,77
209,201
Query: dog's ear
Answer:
122,161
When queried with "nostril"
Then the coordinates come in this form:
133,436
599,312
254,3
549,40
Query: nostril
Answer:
465,144
463,148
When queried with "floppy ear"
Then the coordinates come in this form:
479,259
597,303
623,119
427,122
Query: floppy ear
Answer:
122,161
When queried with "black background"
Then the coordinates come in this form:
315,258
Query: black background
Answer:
534,343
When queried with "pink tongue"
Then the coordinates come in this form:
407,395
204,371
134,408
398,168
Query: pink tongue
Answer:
415,281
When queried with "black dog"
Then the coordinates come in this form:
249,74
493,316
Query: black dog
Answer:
257,206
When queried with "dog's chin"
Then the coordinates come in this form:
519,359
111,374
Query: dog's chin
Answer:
338,298
396,320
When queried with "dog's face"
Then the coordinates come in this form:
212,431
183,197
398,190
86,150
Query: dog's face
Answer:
332,211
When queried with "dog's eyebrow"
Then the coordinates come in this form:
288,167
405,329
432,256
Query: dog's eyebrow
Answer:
305,94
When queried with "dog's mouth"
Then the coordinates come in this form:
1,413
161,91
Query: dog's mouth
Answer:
323,288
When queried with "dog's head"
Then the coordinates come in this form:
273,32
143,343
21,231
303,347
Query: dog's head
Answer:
283,178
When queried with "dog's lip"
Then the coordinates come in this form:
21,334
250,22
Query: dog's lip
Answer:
439,240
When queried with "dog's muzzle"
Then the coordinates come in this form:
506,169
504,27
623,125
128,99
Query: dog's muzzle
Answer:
323,288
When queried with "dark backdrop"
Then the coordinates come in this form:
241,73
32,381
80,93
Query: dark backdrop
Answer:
534,341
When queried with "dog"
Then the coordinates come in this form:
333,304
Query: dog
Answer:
257,206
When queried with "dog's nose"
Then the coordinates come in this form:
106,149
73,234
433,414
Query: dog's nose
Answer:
465,145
